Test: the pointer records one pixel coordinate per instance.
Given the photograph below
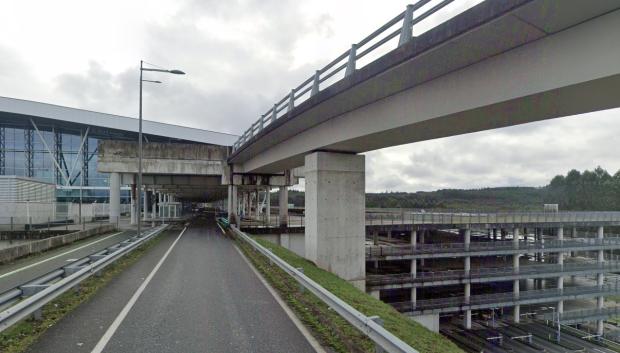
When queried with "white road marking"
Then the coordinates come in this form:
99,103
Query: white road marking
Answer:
300,326
121,316
57,256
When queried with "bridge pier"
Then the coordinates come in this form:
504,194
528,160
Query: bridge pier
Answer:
115,197
515,284
560,233
132,196
335,214
283,206
467,322
600,278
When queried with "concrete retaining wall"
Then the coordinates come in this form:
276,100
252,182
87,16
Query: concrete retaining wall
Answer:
37,246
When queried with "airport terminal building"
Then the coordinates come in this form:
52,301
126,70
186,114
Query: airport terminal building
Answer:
59,145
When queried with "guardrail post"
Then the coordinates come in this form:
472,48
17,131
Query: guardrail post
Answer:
291,100
351,63
261,123
274,113
379,321
301,287
406,31
315,83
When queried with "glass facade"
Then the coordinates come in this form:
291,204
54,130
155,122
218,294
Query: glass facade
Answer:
53,155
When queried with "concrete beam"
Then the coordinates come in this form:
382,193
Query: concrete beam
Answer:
161,158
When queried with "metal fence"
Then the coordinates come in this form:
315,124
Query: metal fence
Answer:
375,217
521,246
376,44
20,215
500,298
490,272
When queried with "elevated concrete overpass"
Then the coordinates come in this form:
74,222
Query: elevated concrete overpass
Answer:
498,64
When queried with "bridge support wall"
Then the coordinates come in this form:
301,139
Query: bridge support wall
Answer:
115,197
335,214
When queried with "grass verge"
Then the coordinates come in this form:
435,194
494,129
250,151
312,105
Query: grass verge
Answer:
21,335
327,326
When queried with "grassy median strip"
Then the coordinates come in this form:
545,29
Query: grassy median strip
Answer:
19,337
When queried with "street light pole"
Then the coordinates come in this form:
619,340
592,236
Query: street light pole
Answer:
139,186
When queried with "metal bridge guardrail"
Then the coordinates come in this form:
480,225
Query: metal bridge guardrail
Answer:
363,323
436,276
375,217
496,298
581,314
551,245
44,293
347,62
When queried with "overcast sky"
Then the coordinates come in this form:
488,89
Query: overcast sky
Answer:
243,55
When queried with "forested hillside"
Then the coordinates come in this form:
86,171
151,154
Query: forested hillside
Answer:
588,190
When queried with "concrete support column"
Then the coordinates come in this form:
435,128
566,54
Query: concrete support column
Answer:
414,238
132,197
414,274
159,208
600,278
467,320
515,268
153,205
283,206
145,199
268,205
560,233
231,208
115,197
422,233
335,205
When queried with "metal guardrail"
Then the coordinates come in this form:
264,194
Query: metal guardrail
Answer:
576,315
363,323
374,217
42,291
492,272
547,245
347,62
496,298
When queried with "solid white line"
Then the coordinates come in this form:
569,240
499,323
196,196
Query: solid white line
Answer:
57,256
300,326
121,316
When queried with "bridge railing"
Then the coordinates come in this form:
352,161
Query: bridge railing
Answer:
376,217
367,325
499,298
347,62
492,272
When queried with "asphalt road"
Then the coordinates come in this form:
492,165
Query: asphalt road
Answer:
204,298
24,270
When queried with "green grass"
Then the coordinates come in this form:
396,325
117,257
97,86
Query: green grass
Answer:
414,334
21,335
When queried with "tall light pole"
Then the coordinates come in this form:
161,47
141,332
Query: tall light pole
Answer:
139,186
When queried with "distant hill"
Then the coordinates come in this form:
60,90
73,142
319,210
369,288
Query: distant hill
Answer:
590,190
